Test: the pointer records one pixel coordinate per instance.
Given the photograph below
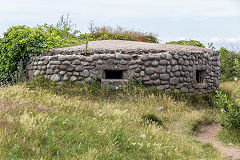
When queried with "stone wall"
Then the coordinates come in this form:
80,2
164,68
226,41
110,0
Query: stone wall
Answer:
187,71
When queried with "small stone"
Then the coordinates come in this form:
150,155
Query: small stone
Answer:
177,74
132,67
132,62
85,73
79,69
154,63
37,72
82,58
144,58
168,56
88,80
136,75
155,76
150,70
123,62
164,82
163,62
118,56
142,73
89,59
53,67
164,76
44,67
56,71
163,56
184,57
150,82
163,87
180,61
62,73
174,80
65,77
55,78
173,62
175,56
70,68
62,58
71,58
151,57
95,57
126,57
62,67
190,69
184,89
40,63
186,62
66,63
147,63
184,68
85,63
49,71
159,108
175,68
161,69
100,62
76,62
169,68
55,63
146,78
76,73
73,78
157,82
140,62
46,61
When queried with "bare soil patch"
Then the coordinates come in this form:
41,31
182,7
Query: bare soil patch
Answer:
207,134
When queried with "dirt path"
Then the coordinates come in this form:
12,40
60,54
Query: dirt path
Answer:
207,134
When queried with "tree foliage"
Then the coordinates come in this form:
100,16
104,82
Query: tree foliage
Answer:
21,41
229,64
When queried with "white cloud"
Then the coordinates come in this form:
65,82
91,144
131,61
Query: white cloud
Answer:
125,8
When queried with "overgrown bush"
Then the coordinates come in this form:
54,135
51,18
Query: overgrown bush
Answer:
21,41
229,65
118,33
188,43
229,111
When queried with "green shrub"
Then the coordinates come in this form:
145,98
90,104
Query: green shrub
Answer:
229,65
229,111
188,43
20,41
119,33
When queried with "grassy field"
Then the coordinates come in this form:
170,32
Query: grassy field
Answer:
43,120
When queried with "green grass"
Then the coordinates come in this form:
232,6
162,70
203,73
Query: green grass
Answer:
44,120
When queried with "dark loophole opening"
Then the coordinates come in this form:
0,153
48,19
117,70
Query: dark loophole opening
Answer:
113,74
200,76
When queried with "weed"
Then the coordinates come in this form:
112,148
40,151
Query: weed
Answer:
118,136
14,151
230,111
151,118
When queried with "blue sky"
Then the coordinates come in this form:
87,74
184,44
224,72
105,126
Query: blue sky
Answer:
216,21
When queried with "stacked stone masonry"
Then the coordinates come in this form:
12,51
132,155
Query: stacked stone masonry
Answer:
113,63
